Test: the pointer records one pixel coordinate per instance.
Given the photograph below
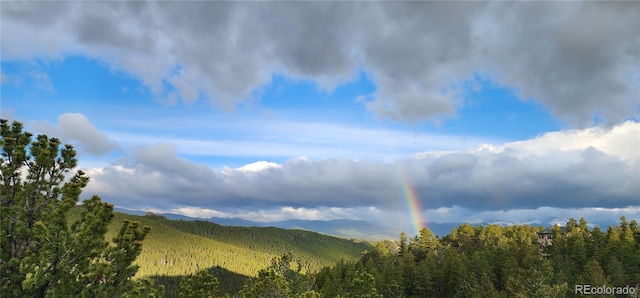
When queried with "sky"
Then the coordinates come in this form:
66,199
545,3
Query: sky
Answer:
398,113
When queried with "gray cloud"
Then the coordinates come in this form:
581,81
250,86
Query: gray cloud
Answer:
155,175
579,59
504,181
511,176
574,59
76,129
456,164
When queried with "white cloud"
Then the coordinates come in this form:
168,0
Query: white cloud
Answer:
196,212
278,214
75,128
254,167
622,141
576,58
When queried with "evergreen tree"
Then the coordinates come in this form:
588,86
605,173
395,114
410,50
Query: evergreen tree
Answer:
363,286
426,242
492,261
593,275
403,243
267,285
44,252
200,285
280,280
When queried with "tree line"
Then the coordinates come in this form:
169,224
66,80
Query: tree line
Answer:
480,261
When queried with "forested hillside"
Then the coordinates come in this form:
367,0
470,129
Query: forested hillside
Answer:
493,261
481,261
175,248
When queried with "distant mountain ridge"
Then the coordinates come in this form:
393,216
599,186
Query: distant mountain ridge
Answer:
346,228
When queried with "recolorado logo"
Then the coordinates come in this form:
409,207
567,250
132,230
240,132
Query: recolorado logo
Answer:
604,290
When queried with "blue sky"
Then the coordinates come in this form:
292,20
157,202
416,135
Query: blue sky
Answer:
195,109
116,100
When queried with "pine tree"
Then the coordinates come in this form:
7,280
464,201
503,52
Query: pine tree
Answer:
267,285
200,285
43,251
363,286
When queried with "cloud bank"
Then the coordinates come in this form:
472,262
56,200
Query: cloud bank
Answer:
579,59
582,168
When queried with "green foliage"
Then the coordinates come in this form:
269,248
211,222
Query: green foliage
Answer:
268,284
200,285
316,249
175,249
44,252
283,278
229,283
363,286
492,261
146,288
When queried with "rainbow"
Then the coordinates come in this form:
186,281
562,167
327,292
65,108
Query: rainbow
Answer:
413,204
